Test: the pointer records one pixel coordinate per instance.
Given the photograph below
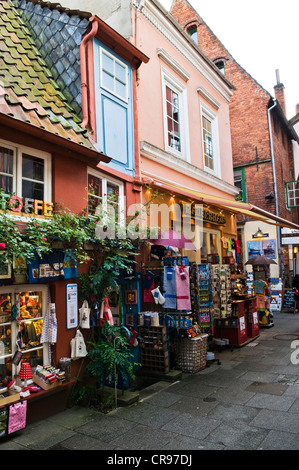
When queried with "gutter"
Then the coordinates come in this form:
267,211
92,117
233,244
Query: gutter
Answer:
80,152
84,72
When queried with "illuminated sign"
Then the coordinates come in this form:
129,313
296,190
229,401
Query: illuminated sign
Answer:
197,211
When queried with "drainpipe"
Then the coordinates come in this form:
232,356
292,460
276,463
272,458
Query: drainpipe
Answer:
137,161
275,183
84,73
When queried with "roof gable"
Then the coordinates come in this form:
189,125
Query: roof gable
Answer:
28,91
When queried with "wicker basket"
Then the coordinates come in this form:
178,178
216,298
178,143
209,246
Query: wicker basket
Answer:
191,353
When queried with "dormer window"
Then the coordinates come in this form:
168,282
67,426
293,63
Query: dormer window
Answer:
192,31
220,63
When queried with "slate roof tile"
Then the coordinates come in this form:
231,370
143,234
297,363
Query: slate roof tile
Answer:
28,91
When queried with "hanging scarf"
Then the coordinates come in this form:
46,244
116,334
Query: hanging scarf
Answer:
49,333
169,287
182,288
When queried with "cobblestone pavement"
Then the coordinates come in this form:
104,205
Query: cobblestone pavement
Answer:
250,401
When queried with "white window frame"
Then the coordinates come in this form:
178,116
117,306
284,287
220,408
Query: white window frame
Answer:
17,168
174,84
105,180
213,118
115,60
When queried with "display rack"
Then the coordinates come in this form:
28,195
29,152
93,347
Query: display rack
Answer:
205,300
154,349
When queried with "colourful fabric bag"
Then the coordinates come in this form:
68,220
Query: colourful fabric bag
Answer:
17,416
182,288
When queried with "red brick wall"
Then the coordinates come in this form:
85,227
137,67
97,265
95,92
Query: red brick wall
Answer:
248,119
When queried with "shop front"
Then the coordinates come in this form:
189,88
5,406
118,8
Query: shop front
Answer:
33,382
189,274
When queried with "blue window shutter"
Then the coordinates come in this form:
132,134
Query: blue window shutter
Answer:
114,113
115,130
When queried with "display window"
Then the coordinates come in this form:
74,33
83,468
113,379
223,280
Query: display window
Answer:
210,243
22,311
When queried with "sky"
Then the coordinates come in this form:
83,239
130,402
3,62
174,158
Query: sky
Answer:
261,35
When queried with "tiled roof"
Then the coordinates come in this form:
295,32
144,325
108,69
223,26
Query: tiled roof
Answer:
57,32
28,91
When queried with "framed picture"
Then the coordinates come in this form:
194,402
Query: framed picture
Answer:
269,248
254,248
131,297
130,319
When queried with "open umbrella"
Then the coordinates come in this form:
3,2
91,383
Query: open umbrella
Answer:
174,239
260,260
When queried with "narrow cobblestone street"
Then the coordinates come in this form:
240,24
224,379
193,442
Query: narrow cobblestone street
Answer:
248,402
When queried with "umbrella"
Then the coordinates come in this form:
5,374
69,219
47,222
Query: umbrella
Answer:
174,239
259,260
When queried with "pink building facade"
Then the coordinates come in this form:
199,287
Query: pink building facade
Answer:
183,125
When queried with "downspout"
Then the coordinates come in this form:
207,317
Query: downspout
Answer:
137,160
84,73
274,183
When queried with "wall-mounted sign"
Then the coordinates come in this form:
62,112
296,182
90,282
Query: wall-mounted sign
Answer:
71,306
26,205
265,235
290,241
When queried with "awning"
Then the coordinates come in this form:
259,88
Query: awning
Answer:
234,206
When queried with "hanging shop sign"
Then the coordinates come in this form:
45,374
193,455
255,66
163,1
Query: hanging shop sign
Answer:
264,235
26,205
197,211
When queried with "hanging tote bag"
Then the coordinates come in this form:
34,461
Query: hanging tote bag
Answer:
84,316
17,416
78,347
105,313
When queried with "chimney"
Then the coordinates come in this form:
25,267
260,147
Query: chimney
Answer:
279,92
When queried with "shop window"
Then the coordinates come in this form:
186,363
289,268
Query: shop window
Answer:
240,183
210,244
23,337
25,172
175,122
103,191
114,111
210,142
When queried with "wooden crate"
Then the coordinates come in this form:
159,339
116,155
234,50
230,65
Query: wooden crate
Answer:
191,353
45,386
154,349
155,360
7,399
153,334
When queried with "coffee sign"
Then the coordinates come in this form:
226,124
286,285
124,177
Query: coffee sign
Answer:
26,205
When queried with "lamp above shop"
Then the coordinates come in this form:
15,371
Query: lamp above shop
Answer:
259,233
